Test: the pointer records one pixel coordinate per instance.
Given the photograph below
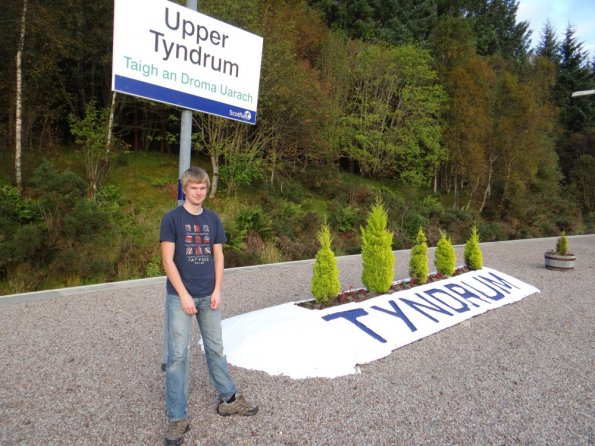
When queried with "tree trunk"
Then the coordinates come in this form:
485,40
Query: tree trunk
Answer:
487,190
110,126
506,182
455,201
215,165
136,143
472,193
19,99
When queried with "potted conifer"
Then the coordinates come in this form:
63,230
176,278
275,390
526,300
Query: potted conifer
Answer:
560,259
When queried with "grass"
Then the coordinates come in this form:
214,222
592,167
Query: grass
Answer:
265,223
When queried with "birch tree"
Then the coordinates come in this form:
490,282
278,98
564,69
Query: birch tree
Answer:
19,99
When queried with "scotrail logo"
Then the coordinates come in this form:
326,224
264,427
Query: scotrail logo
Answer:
246,115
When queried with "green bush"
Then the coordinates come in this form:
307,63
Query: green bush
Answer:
240,168
154,268
58,231
325,280
344,219
445,258
14,209
85,222
472,253
418,262
21,231
377,256
252,218
90,134
25,245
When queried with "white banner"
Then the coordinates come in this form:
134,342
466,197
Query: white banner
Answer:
168,53
302,343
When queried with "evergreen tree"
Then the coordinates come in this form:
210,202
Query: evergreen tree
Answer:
445,257
393,21
549,46
583,176
325,280
418,263
496,29
472,253
377,255
576,114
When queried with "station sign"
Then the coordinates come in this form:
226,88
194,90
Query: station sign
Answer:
168,53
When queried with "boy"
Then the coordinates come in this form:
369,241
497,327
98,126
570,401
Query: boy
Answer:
192,240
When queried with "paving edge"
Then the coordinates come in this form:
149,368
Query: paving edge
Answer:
86,289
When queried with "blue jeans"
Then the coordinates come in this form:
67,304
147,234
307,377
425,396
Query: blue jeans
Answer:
178,337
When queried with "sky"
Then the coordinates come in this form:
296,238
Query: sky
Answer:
579,13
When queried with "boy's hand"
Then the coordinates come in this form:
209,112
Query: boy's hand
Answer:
215,299
188,306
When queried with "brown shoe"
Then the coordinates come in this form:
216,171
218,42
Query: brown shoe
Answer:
174,434
239,406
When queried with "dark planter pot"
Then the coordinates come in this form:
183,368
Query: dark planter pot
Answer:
558,262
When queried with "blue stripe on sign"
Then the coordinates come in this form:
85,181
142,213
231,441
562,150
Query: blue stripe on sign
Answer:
161,94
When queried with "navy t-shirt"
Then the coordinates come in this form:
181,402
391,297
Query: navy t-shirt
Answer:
194,236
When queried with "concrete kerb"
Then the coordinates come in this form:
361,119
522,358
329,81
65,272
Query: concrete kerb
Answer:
87,289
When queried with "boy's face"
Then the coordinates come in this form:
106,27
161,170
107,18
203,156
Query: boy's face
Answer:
196,193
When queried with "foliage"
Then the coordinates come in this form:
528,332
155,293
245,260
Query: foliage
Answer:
325,280
356,98
285,218
91,133
562,244
14,207
154,267
378,260
584,179
548,46
401,22
576,115
472,253
345,218
445,258
391,122
418,262
65,62
21,232
252,218
500,131
496,29
58,231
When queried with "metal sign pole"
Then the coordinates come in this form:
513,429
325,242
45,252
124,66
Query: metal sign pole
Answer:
185,132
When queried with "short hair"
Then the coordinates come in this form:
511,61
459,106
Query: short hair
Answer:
195,175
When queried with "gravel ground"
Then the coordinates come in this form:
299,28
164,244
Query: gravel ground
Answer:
82,367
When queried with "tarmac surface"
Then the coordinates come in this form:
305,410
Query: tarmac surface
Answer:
81,366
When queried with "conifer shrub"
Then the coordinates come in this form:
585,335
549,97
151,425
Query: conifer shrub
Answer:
418,262
325,281
445,258
562,244
472,253
378,268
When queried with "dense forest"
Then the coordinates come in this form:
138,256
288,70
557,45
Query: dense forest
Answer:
439,108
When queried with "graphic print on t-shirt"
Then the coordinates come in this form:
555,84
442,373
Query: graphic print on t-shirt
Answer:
196,240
